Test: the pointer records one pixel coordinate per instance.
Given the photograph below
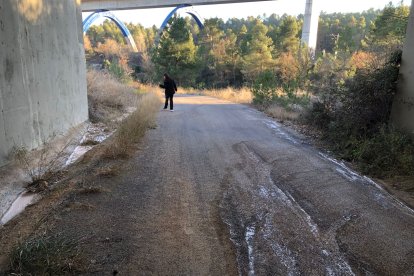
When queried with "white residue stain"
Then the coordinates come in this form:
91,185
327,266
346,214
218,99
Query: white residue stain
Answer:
342,168
313,227
100,138
344,268
325,252
277,128
77,153
96,134
277,194
329,271
274,193
282,252
351,175
345,174
263,192
250,231
18,206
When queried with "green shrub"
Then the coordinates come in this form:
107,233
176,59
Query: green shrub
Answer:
267,90
116,71
386,153
319,116
366,98
264,88
354,117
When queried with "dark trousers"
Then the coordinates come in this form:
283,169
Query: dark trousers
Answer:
171,101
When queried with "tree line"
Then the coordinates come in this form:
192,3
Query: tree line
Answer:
235,52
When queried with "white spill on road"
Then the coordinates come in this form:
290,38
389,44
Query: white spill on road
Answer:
21,202
250,231
77,153
95,134
380,195
281,237
286,256
281,133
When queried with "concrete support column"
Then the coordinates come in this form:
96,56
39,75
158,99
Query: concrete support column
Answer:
403,107
310,24
42,71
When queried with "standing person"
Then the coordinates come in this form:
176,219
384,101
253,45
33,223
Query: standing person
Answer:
170,89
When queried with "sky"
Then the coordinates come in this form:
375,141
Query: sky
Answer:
150,17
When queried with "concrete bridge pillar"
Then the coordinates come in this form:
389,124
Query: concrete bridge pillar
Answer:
42,71
310,24
403,107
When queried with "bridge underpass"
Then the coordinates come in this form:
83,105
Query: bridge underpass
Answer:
42,65
403,109
43,71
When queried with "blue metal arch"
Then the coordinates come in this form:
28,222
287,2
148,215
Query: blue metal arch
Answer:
193,14
105,13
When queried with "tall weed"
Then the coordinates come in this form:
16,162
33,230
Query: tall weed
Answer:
45,256
133,128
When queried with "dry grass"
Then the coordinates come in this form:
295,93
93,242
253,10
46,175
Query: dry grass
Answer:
280,113
108,101
43,165
188,91
133,128
147,88
243,95
45,256
107,97
108,171
92,190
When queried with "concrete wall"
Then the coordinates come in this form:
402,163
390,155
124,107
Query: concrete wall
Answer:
403,107
42,71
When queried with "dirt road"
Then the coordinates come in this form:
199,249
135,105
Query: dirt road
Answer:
220,189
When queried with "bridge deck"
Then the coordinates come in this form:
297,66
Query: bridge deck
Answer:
91,5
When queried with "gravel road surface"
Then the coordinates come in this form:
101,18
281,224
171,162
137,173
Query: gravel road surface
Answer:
220,189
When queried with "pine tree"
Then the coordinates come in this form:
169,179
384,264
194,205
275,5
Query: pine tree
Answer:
176,53
259,52
390,26
288,35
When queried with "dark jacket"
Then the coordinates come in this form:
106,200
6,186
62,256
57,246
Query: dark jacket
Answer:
169,86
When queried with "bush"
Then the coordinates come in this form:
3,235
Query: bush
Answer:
43,164
354,115
115,70
387,152
367,97
266,91
359,105
319,116
264,88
